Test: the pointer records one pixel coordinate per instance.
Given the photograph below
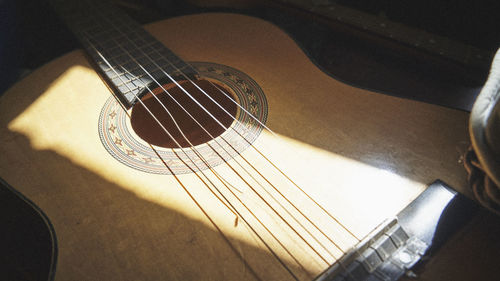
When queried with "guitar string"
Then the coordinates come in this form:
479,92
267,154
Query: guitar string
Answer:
254,147
191,196
184,152
287,177
248,209
245,181
259,152
239,164
238,254
236,161
153,116
212,148
180,158
226,151
212,137
243,168
206,214
317,241
226,128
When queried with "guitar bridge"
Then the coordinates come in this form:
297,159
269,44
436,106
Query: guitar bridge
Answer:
393,248
385,255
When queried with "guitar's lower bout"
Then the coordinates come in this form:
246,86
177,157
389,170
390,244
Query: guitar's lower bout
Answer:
128,135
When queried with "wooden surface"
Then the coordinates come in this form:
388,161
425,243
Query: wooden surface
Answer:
364,156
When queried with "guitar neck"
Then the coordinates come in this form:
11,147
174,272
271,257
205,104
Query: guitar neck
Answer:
121,48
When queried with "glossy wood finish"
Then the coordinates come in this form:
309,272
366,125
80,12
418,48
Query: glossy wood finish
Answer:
363,155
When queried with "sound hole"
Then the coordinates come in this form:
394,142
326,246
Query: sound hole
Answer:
146,127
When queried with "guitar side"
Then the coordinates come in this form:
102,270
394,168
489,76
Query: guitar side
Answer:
363,155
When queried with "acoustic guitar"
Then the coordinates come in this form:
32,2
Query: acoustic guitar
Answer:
209,147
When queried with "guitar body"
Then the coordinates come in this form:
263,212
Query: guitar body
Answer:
362,155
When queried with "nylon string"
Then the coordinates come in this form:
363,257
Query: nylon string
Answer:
245,181
211,136
226,112
226,128
196,202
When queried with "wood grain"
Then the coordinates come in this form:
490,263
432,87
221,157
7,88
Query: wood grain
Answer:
362,155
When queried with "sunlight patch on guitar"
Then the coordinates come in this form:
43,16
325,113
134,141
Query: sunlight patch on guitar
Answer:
359,195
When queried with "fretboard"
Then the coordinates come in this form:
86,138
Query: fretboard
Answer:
127,55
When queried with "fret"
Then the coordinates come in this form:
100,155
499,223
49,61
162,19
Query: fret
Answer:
132,68
141,73
124,44
135,78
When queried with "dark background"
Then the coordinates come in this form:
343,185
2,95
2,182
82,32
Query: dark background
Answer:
31,35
